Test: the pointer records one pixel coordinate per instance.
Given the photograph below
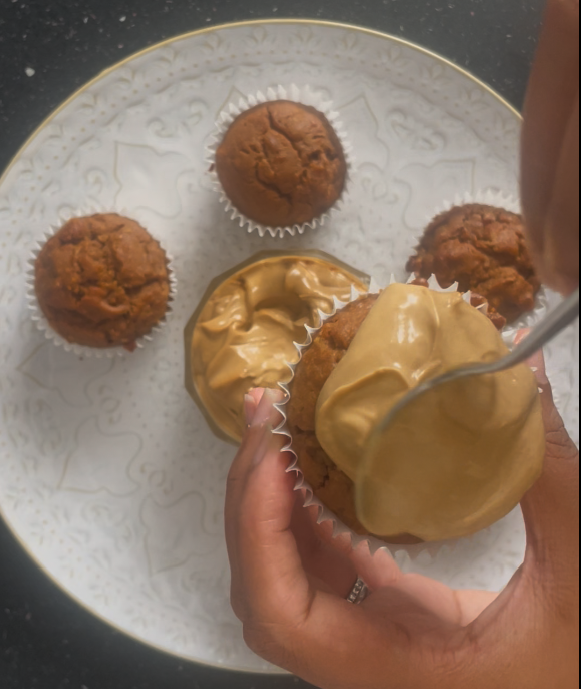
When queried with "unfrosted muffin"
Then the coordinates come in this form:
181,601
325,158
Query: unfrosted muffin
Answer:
483,249
102,281
281,164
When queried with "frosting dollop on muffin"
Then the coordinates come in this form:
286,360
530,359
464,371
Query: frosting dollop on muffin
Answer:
483,249
457,460
244,335
282,164
102,281
460,463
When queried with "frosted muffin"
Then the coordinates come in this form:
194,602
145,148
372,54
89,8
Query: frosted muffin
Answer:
242,335
102,281
456,466
281,164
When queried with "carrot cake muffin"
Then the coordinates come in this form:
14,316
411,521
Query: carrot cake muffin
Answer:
281,164
102,281
484,250
456,461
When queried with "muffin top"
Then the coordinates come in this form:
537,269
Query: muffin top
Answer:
484,250
281,164
102,281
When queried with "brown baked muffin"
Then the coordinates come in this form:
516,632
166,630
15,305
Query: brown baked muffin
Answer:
281,164
102,281
331,485
484,250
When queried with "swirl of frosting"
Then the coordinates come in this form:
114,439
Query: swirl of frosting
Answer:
244,336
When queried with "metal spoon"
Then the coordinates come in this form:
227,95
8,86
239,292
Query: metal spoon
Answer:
545,331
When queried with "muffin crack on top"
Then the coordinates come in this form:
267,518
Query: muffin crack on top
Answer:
304,156
278,128
102,281
282,164
483,249
265,160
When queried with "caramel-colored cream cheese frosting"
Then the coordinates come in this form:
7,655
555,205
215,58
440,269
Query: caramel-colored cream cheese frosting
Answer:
245,333
462,456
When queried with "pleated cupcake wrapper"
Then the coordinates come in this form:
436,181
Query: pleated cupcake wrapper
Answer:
304,96
513,204
428,554
40,319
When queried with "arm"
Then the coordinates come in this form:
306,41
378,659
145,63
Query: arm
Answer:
550,150
290,580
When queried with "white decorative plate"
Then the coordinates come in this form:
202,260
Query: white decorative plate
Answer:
109,475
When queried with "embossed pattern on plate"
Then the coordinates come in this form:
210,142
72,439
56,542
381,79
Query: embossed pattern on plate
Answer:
109,474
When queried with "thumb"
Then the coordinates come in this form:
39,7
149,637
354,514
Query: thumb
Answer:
551,507
269,584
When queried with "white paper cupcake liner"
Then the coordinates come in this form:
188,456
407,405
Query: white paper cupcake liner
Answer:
512,204
40,319
429,555
305,96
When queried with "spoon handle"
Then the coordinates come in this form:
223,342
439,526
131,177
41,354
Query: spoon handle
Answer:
557,320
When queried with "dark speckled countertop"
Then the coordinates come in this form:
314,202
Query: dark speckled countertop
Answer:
48,49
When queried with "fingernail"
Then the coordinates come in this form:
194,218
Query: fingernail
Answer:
250,407
264,446
537,364
264,409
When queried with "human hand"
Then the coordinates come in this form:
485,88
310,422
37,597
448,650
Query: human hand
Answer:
550,149
290,580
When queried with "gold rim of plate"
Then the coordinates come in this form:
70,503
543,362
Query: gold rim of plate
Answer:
95,80
254,22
